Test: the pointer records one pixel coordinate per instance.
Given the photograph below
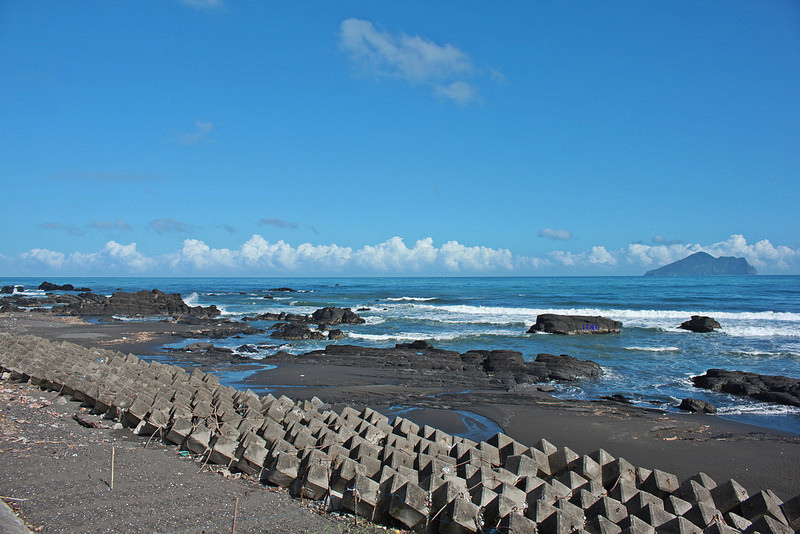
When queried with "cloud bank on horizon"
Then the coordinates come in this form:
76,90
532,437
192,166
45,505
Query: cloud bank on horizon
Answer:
259,257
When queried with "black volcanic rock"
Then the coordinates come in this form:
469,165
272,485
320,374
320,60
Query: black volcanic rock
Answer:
552,323
47,286
332,315
429,364
697,406
767,388
139,304
329,315
564,367
700,323
295,332
284,289
704,264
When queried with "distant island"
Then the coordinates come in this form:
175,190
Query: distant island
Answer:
704,264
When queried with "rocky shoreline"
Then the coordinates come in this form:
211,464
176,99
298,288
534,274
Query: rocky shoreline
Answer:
392,471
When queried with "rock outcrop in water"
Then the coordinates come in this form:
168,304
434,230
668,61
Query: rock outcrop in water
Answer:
704,264
472,368
552,323
767,388
47,286
329,315
700,323
139,304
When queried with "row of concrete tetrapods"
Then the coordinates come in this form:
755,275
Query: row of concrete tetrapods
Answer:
391,471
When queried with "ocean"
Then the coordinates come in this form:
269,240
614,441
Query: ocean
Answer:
650,362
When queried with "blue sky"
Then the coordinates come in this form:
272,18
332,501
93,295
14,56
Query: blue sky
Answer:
346,138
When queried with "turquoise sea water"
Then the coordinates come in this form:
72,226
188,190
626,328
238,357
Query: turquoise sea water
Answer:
650,362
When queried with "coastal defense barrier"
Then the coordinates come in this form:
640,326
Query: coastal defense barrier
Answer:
391,471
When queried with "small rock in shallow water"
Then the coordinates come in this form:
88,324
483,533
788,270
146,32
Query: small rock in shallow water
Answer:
697,406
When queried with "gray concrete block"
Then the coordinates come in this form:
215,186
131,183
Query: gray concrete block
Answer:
679,525
654,514
704,480
271,432
791,510
560,523
624,491
545,446
720,528
447,492
763,503
223,451
435,473
506,446
198,440
252,458
734,520
601,525
561,459
572,480
344,473
588,468
485,477
315,481
702,514
609,508
283,471
583,499
410,474
481,495
460,516
619,470
516,523
676,505
522,465
729,495
179,431
660,483
538,510
694,492
409,505
404,427
499,507
641,500
490,453
634,525
363,497
768,525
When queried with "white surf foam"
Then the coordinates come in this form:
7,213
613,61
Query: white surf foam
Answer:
410,299
741,324
654,349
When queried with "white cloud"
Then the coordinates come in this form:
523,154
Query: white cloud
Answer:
48,258
599,255
257,256
113,256
761,254
457,257
555,235
461,93
202,129
416,60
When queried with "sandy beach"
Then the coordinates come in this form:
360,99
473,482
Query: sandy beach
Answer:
55,471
